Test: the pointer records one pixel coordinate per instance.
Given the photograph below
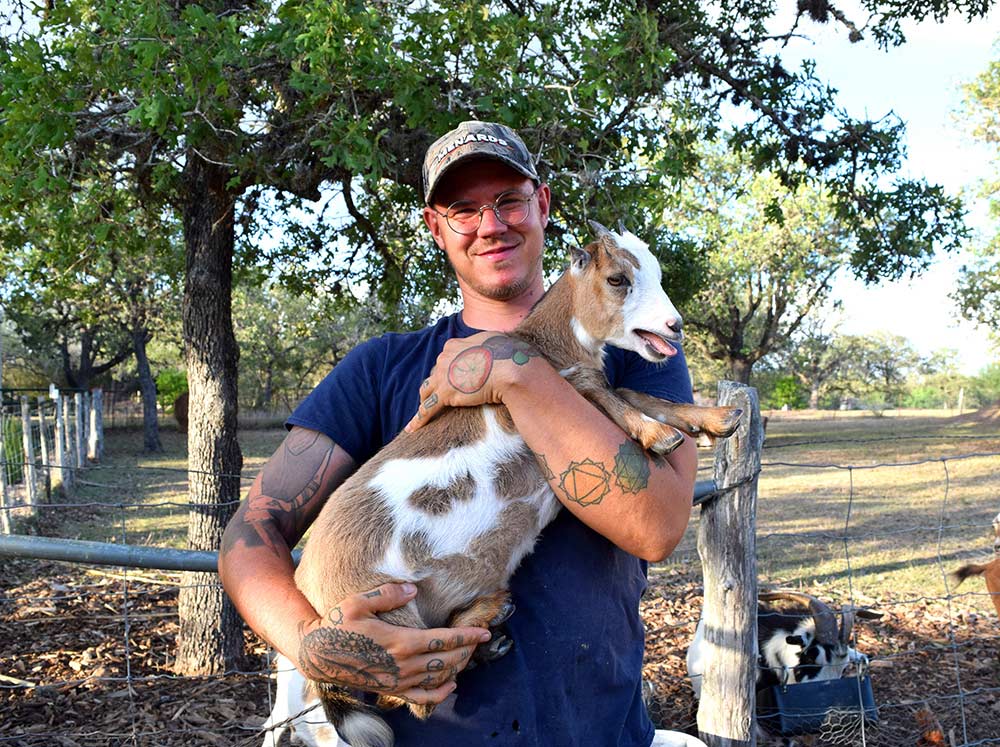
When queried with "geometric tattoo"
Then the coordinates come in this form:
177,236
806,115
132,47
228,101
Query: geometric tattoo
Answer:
585,482
631,468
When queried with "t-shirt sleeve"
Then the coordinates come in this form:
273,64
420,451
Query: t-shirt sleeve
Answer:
669,380
345,405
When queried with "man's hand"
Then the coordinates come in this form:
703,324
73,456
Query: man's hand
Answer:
352,647
471,371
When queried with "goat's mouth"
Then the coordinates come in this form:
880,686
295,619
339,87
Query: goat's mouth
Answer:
657,345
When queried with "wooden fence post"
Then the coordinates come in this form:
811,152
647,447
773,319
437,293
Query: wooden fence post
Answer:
95,442
80,446
63,456
43,428
30,475
5,517
727,547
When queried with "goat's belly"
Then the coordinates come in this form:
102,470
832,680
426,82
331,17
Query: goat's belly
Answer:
464,520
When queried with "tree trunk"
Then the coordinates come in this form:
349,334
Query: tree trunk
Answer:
147,387
814,398
268,393
210,640
739,370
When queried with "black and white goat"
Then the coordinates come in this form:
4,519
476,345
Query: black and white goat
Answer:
794,644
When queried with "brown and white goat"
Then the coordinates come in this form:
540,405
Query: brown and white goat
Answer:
456,505
989,571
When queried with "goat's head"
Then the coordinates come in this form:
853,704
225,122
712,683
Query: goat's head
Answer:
618,298
817,648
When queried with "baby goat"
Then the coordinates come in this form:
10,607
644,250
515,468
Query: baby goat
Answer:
456,505
793,645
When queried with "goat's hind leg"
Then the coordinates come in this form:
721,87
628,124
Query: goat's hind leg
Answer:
488,611
717,422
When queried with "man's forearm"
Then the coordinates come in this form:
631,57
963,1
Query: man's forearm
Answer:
260,579
640,502
255,562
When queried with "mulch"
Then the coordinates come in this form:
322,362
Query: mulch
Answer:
70,675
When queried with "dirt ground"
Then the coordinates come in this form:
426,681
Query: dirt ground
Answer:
75,670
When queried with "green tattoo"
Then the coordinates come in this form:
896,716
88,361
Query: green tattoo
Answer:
631,468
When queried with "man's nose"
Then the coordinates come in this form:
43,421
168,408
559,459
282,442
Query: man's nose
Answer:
490,225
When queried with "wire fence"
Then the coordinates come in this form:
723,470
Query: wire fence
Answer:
87,652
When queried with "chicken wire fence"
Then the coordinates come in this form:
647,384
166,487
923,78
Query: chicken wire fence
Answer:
87,651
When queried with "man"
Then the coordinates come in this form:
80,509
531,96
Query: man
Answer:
573,674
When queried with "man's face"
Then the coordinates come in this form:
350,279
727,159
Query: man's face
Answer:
499,262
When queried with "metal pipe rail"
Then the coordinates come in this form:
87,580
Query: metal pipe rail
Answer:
161,558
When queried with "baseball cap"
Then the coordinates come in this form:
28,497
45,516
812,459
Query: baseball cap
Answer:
472,140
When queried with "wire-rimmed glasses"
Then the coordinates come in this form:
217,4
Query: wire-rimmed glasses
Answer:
511,208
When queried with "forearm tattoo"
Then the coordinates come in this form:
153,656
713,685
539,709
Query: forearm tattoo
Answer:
471,368
631,468
543,465
585,482
280,503
331,654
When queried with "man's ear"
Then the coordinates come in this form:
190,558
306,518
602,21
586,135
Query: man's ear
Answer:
436,224
544,203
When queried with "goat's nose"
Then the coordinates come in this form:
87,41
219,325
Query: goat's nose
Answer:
675,324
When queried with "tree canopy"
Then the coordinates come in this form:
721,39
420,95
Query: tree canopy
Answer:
759,277
978,293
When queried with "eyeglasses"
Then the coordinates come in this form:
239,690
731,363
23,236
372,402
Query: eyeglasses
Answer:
511,208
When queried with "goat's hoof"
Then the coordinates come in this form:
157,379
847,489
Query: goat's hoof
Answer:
494,649
503,615
665,445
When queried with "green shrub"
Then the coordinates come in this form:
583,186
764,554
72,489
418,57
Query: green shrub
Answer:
787,390
170,384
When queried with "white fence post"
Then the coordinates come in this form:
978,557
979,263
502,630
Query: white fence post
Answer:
80,423
63,454
95,444
43,429
28,467
5,517
727,547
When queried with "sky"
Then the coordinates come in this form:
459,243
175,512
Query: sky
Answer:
921,81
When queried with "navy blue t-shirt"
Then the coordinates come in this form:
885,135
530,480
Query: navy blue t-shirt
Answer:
573,677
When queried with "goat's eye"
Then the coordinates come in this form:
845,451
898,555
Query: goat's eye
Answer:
616,281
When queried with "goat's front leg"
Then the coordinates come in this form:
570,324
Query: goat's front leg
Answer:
718,422
655,436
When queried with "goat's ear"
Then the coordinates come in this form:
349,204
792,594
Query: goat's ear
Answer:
598,229
868,614
579,258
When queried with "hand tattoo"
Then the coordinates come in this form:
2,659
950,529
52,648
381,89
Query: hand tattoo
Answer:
347,658
471,368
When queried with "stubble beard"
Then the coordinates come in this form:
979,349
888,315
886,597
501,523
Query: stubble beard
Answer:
504,292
